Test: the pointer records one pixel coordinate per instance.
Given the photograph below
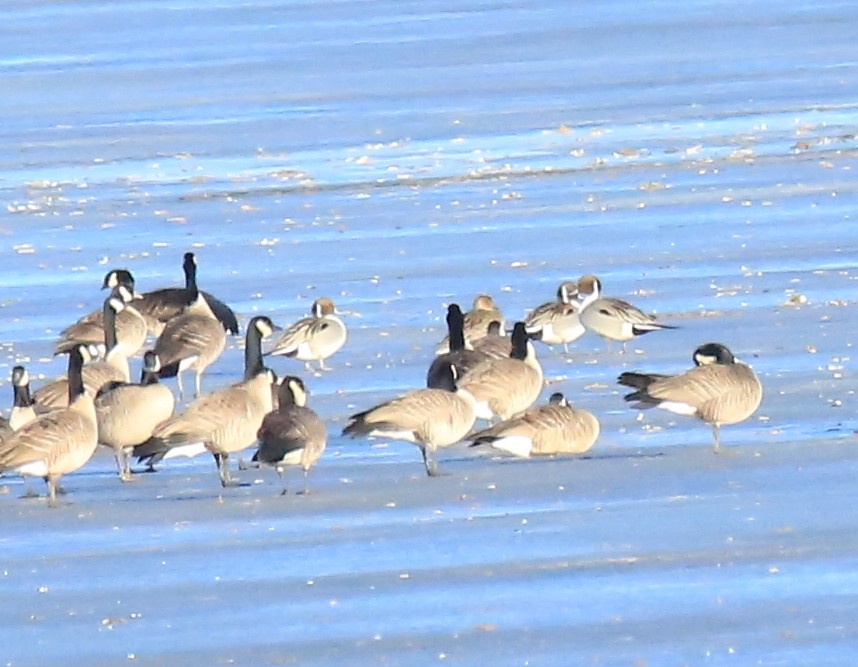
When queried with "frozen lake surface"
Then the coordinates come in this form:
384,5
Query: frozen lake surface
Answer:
699,157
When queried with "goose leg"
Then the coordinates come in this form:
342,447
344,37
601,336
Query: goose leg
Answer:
122,465
430,462
197,384
282,480
52,491
180,385
306,490
226,479
716,438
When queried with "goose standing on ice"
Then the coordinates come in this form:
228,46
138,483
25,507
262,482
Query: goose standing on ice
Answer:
719,390
429,418
59,442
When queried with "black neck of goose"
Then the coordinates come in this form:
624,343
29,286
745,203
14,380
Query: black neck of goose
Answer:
446,378
190,269
148,377
109,326
285,396
456,327
75,375
252,352
22,397
519,342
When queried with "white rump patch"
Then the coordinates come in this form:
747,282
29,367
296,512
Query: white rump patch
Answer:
293,458
406,435
187,362
517,445
678,408
33,469
188,451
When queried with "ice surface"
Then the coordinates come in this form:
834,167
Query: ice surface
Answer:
699,157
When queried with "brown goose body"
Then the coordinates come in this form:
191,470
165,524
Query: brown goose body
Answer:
429,418
719,389
57,443
293,434
555,428
503,388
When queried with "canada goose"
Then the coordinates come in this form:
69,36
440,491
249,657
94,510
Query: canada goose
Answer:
127,414
461,357
161,306
555,428
719,390
313,338
224,421
293,434
429,418
131,326
22,407
22,413
506,387
191,341
114,367
613,319
557,322
477,321
60,442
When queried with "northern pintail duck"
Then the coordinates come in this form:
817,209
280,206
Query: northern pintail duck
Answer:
313,338
611,318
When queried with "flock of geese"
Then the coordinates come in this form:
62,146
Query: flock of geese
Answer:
478,373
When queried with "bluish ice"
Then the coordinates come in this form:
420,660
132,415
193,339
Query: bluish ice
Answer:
699,157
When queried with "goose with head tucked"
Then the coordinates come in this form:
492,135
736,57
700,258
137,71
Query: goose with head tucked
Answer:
224,421
718,390
557,322
554,428
613,319
127,413
503,388
60,442
429,418
113,368
131,326
293,434
162,305
313,338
